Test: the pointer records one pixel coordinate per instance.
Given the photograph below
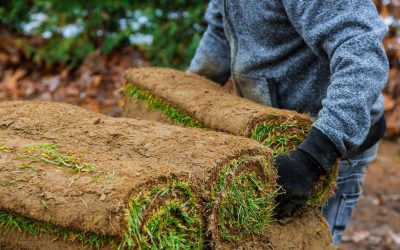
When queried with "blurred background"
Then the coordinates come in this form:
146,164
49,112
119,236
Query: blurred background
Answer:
76,52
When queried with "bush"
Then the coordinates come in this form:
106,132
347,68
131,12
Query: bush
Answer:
168,31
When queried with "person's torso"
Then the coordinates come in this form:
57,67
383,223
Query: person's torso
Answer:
271,63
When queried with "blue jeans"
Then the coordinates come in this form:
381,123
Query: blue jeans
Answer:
350,182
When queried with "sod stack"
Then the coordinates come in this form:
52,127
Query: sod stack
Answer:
172,96
70,174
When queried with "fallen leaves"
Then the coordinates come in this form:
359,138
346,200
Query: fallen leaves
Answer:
10,82
94,85
381,236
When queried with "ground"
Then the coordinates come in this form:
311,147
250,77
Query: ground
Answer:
376,221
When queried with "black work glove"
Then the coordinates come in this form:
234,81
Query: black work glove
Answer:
299,170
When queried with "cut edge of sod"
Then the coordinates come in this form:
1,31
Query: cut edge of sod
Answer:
155,103
181,218
325,188
270,134
245,203
174,225
277,136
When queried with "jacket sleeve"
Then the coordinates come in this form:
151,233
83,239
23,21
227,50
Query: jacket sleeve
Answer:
212,58
349,35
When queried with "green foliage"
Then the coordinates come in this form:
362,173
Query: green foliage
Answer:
154,103
175,27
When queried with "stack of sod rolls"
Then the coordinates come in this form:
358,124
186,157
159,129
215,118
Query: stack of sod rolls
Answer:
193,101
72,178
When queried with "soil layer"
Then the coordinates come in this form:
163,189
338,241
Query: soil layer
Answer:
79,170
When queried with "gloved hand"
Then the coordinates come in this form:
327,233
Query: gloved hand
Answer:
299,170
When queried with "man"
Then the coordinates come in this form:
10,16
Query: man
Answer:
320,57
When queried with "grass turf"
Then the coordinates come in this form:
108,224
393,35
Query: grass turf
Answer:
323,189
176,224
154,103
245,208
272,135
246,203
173,225
279,137
36,229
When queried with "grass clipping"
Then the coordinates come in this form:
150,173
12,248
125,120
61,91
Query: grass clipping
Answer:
134,189
193,101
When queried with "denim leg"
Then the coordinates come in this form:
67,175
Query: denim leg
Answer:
350,182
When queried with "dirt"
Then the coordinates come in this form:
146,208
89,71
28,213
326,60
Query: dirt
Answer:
138,153
376,221
207,102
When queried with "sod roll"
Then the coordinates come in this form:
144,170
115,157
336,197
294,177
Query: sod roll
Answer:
77,176
306,231
168,95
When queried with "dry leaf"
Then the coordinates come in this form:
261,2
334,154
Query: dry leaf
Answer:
10,81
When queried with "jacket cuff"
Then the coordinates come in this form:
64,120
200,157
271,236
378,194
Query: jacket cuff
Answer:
321,148
375,133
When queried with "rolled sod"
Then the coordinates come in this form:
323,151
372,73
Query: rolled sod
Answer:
168,95
78,177
308,230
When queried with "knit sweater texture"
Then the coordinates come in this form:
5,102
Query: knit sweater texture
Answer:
324,58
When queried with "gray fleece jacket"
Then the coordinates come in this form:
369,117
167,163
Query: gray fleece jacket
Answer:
320,57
